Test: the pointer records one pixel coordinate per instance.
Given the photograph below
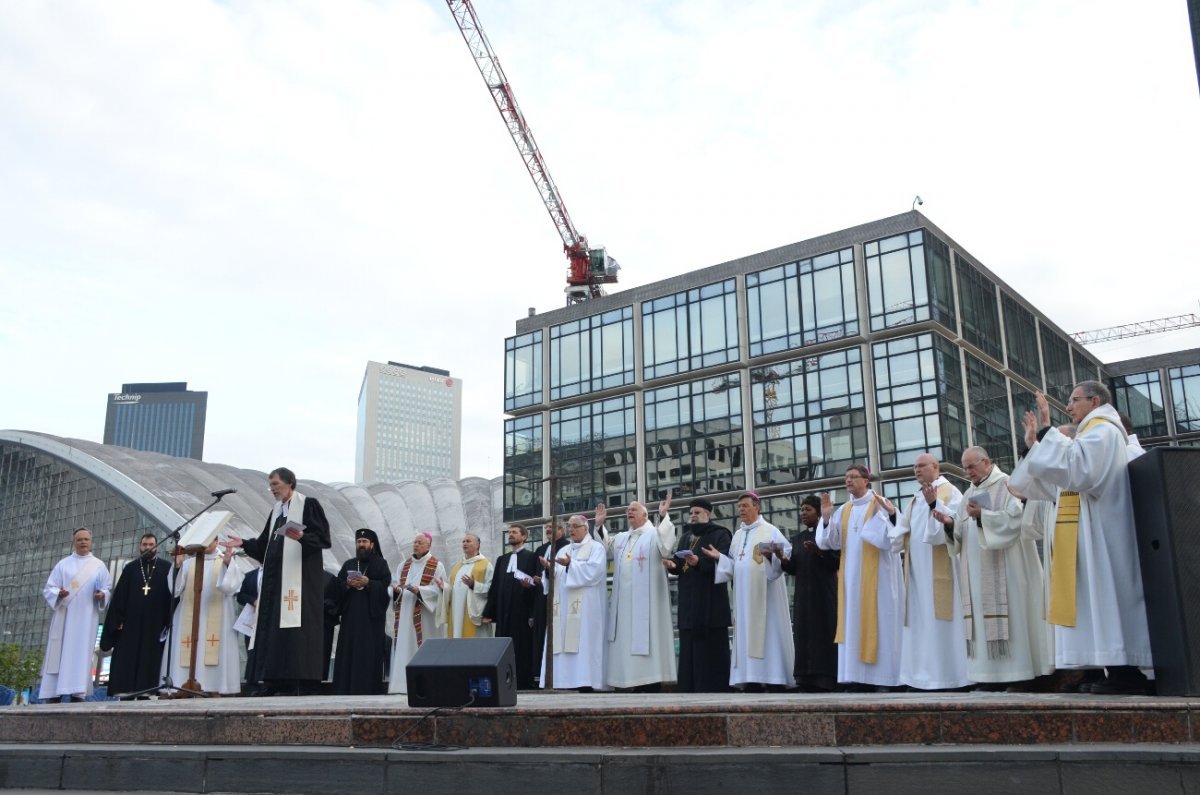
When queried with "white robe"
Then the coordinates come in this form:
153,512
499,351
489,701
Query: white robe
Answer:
226,676
640,604
885,671
1000,528
405,631
777,665
461,604
933,652
583,582
1110,621
78,617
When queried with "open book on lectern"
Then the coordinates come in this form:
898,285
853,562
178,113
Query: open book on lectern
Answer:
202,531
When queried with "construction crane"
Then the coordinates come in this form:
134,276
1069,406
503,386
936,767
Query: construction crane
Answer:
1136,329
588,268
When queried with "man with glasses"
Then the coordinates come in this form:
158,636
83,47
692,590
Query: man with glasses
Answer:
869,583
580,576
1096,605
1000,580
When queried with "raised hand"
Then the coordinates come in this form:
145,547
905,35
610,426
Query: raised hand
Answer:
712,552
1043,409
665,504
1031,429
601,513
826,506
886,504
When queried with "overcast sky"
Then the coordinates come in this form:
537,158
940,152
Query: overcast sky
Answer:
260,197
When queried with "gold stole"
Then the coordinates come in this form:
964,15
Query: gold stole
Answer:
1064,553
211,639
943,579
868,591
478,570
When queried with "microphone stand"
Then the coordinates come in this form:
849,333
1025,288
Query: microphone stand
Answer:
166,685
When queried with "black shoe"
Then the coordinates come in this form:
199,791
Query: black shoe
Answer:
1124,680
1089,678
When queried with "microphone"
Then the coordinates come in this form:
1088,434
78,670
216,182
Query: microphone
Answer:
223,492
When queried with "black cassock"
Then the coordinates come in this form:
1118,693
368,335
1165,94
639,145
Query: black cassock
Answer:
540,604
510,606
291,654
358,667
134,624
703,613
814,614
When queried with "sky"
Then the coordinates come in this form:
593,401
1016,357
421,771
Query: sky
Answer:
260,197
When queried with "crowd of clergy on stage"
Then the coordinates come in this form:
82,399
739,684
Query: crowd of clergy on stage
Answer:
949,592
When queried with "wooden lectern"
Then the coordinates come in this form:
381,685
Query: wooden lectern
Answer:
195,542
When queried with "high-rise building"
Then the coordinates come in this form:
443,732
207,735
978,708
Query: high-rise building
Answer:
409,424
776,371
159,418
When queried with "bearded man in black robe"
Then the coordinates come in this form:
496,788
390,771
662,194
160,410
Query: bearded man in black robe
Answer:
363,586
814,614
288,638
510,601
703,610
137,615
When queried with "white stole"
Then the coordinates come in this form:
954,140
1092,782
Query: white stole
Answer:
211,637
291,573
566,633
639,633
756,587
84,575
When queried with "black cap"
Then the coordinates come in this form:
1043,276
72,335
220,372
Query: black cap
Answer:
702,504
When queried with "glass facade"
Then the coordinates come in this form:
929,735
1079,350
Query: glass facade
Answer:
690,330
980,313
163,418
1056,355
802,303
44,501
591,354
1139,396
1020,332
694,438
991,423
1185,394
808,418
919,399
523,468
523,371
908,277
594,449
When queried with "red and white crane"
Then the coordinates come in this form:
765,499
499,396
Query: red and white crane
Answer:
588,267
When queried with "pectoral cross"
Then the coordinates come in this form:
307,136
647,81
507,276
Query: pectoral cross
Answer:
213,640
146,589
291,599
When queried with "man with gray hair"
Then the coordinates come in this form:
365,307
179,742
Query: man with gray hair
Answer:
640,637
465,593
1097,605
1000,580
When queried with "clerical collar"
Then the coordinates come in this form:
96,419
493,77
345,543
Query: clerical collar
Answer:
75,554
864,499
753,524
419,557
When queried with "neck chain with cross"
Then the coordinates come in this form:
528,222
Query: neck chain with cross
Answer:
146,576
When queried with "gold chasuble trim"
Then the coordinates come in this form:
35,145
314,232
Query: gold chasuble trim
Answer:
868,591
478,571
1065,551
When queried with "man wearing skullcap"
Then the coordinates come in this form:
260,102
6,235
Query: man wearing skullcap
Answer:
703,614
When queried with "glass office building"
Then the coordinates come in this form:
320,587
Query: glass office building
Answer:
1161,396
776,371
165,418
409,424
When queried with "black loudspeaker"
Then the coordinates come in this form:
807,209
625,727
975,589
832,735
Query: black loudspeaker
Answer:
1166,508
459,672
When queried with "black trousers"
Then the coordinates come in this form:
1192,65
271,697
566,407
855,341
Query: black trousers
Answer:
704,660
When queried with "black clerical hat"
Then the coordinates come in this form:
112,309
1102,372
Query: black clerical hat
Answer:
702,504
369,535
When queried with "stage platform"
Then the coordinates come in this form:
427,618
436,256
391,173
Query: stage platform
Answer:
630,743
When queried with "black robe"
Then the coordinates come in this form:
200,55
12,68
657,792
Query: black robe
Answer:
814,614
539,604
703,613
510,606
134,625
282,655
358,667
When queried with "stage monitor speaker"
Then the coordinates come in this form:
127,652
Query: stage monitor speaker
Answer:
457,672
1166,507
